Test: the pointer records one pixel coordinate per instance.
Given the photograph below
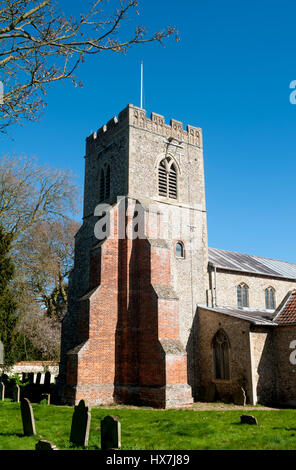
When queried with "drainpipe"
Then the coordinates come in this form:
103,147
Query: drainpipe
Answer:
215,273
213,283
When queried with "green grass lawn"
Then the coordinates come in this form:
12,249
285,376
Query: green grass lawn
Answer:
156,429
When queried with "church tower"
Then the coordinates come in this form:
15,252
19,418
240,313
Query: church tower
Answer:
140,266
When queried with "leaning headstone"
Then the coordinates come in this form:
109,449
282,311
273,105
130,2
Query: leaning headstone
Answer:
45,445
110,433
27,418
2,391
80,425
239,397
16,393
210,393
248,419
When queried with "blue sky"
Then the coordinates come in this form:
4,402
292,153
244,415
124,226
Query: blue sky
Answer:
229,74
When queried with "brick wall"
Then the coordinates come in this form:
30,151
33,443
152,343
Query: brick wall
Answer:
128,328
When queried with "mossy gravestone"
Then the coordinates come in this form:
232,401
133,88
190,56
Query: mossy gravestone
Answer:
27,418
80,425
110,433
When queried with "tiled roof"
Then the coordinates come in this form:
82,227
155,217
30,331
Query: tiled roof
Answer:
257,317
232,261
286,312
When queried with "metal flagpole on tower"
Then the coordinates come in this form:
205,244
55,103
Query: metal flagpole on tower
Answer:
141,84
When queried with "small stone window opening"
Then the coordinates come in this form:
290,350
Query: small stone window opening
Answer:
179,250
105,183
270,298
102,186
242,296
167,179
221,348
108,182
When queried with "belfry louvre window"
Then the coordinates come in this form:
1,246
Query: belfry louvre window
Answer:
167,179
242,295
221,347
270,298
105,183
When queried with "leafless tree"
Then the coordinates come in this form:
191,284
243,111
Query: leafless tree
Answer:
39,45
44,260
31,193
37,205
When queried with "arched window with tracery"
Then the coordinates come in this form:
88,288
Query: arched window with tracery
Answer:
221,346
168,179
270,298
242,295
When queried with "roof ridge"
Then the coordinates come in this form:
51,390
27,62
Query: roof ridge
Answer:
253,256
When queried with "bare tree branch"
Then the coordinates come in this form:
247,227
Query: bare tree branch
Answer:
31,193
39,46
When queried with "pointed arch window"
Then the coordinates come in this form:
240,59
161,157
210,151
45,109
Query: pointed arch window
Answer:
105,183
270,298
242,295
167,179
221,346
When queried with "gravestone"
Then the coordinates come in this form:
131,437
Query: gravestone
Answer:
110,433
248,419
47,380
45,445
2,391
1,353
16,393
31,377
80,425
27,418
239,397
210,393
45,396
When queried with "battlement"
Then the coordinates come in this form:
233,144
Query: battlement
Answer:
137,117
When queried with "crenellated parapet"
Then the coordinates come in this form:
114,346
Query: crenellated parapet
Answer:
156,123
137,117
